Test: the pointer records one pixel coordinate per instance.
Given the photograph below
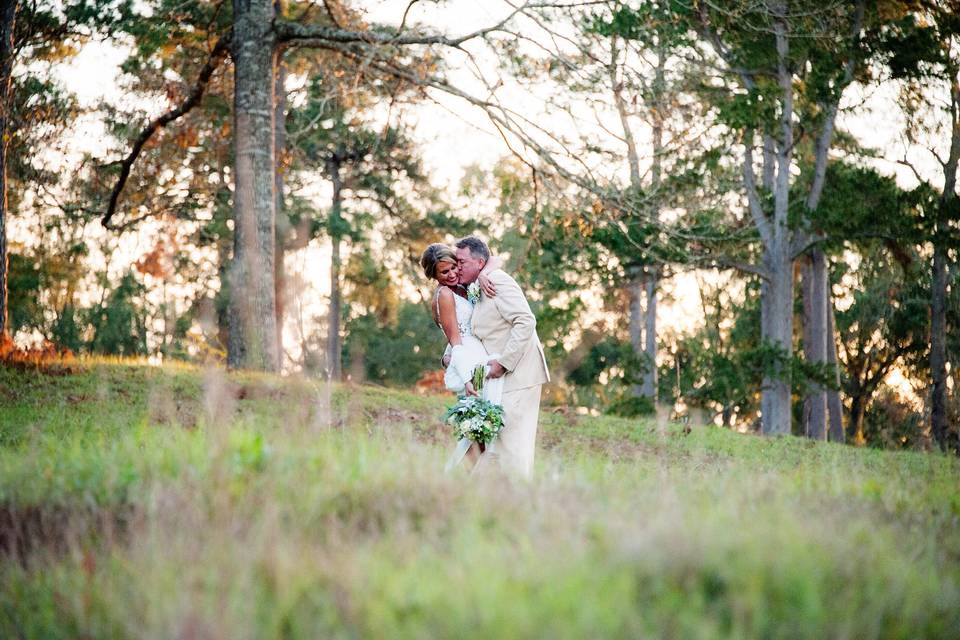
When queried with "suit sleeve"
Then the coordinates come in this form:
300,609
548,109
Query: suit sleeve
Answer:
513,306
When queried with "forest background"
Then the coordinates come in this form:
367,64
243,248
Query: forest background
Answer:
744,212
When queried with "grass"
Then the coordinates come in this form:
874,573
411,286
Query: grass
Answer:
181,502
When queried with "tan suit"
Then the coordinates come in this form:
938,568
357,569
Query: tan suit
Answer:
506,326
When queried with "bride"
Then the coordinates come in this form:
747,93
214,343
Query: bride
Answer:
452,311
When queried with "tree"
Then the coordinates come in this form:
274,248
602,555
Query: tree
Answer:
830,74
655,40
373,168
768,48
645,72
35,32
720,366
8,16
884,325
258,32
392,351
626,66
921,51
118,322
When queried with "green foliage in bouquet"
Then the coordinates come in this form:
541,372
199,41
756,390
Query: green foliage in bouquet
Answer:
475,418
479,375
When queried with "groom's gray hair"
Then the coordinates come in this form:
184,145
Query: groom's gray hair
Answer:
478,248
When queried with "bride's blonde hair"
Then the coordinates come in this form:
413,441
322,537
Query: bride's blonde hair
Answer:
433,256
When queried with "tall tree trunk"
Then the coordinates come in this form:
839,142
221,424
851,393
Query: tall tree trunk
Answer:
8,16
656,185
635,279
857,408
648,348
938,294
222,300
283,220
818,311
806,284
938,344
777,304
334,348
777,298
815,341
834,406
649,387
769,169
253,320
635,287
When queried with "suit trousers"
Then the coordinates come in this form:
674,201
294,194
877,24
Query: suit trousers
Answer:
516,446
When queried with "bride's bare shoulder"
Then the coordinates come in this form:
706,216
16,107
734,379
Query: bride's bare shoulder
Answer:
444,302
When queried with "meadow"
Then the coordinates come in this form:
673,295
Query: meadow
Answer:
174,501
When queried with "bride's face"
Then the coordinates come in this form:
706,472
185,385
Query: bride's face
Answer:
448,274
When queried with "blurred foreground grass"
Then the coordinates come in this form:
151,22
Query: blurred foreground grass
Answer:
179,502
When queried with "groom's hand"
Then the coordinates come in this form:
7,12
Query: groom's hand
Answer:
496,370
487,286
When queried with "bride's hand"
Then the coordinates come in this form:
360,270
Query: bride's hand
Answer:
470,390
487,286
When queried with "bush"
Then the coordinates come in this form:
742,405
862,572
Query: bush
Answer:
632,407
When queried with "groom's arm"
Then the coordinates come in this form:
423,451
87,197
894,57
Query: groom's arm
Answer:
513,306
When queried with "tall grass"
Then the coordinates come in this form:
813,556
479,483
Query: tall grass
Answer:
173,502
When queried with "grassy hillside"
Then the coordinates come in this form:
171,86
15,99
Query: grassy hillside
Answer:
178,502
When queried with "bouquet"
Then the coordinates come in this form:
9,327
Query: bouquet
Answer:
474,418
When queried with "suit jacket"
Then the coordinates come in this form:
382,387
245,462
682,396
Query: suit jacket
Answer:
506,326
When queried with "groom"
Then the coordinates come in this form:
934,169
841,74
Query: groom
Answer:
506,326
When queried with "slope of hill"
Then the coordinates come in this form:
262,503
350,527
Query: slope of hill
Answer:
180,502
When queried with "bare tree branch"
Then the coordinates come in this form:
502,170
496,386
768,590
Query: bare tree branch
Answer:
333,15
822,145
219,52
724,262
406,12
912,168
616,86
311,35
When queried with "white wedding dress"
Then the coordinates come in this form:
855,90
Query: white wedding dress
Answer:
464,358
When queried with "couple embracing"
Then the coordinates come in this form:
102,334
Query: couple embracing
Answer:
488,322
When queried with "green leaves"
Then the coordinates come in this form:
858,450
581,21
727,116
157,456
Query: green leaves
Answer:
754,109
119,324
860,203
475,419
649,22
915,50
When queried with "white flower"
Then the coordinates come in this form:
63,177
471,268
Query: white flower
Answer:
473,292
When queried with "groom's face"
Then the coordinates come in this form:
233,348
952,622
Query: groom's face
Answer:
470,266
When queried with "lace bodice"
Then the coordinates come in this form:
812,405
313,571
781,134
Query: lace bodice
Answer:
464,316
464,313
